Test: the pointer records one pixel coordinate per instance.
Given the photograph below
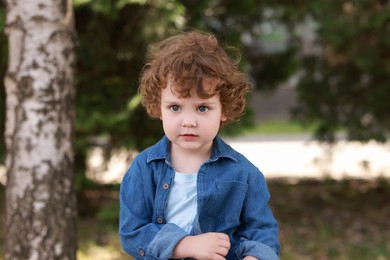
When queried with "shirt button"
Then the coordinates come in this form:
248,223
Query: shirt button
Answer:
160,220
165,186
141,252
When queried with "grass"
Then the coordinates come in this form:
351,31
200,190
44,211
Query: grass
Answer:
327,219
318,220
98,239
333,220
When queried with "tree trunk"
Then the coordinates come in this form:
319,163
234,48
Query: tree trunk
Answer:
41,210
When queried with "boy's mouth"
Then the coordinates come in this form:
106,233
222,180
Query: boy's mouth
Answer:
189,137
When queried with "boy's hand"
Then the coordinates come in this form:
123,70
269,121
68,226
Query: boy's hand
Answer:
250,258
213,246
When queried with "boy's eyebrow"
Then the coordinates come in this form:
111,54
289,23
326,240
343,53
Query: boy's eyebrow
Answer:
197,103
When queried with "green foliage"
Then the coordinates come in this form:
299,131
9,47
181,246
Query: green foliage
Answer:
232,20
110,55
345,84
113,41
348,85
110,213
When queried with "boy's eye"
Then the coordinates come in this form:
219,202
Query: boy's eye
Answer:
174,108
203,109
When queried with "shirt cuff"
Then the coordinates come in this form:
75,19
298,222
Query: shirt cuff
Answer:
165,241
256,249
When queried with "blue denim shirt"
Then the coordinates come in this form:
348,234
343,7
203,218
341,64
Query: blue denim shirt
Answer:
232,199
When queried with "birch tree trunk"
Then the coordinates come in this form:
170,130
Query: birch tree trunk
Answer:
40,200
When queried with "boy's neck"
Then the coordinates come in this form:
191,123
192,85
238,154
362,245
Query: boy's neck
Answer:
189,161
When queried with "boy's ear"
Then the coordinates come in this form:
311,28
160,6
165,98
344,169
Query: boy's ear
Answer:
223,118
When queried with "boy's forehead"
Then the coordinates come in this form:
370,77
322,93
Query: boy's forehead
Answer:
168,95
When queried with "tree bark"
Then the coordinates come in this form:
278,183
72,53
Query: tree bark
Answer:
41,209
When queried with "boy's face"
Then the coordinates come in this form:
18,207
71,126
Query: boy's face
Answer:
190,123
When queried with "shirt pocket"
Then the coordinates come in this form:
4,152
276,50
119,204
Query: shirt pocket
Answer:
226,200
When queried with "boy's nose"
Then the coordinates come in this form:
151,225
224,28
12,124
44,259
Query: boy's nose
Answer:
189,121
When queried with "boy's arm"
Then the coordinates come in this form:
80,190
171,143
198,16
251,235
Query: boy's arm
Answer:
139,234
259,233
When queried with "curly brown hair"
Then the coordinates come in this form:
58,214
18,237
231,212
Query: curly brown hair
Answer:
187,59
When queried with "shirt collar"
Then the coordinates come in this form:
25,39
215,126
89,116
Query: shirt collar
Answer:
161,150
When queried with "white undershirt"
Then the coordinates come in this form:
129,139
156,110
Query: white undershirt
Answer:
182,201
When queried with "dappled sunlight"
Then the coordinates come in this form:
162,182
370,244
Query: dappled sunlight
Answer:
108,167
98,243
3,177
94,251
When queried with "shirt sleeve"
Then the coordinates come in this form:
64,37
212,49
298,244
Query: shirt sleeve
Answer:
259,234
140,237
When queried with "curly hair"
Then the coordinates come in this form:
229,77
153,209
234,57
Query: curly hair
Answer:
187,59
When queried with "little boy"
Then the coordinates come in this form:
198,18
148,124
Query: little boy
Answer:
191,195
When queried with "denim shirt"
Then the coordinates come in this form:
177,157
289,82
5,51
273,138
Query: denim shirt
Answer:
232,199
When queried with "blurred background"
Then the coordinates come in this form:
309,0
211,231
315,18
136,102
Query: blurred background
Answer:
317,123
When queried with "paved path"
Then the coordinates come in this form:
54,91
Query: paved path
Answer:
297,156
